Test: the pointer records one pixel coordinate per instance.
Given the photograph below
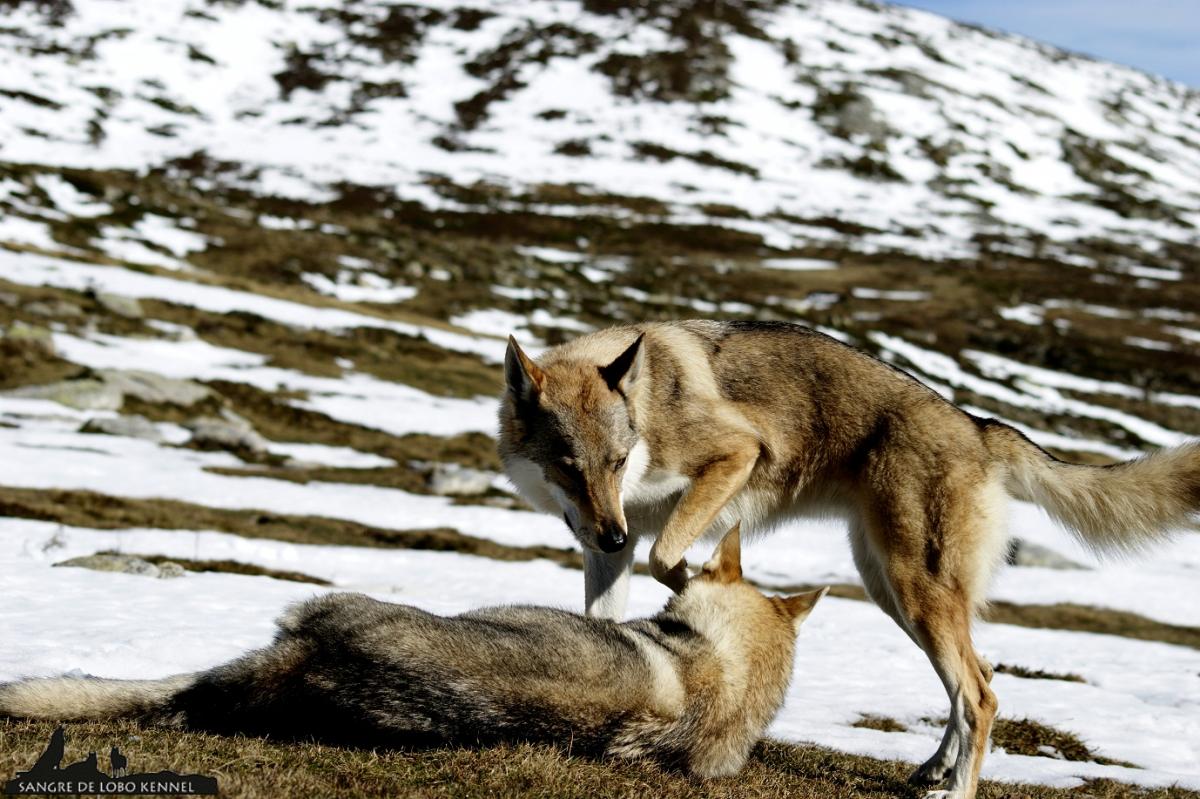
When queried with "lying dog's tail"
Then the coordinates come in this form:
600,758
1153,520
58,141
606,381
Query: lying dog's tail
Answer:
1123,507
90,698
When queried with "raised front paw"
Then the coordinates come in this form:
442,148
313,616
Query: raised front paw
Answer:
673,574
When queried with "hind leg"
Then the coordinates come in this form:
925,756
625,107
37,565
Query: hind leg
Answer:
876,583
937,543
940,617
944,628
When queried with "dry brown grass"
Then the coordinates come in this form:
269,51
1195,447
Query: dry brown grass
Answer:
1084,618
1035,674
1032,738
254,768
879,723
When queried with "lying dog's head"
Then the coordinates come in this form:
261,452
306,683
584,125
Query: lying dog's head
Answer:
753,637
721,584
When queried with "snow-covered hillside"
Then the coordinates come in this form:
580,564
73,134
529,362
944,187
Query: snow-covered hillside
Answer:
930,134
258,260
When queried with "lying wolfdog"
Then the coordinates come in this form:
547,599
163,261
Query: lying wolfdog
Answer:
693,687
671,430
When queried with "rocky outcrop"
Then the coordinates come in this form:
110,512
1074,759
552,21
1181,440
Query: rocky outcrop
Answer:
226,432
132,426
124,564
106,390
1027,553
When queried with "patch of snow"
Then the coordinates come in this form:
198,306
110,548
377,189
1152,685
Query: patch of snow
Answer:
1148,343
799,264
334,457
359,286
879,294
552,255
70,200
19,230
1026,314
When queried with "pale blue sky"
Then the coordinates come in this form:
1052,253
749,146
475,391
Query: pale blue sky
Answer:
1158,36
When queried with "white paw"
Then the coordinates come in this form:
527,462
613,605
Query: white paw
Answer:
942,795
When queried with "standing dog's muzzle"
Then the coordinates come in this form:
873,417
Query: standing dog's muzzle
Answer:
612,538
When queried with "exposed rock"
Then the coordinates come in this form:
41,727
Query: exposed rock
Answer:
229,433
133,426
106,390
847,113
858,116
172,331
86,394
121,305
39,337
1027,553
154,388
169,568
55,309
452,480
9,299
124,564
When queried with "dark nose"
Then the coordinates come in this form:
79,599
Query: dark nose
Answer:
611,539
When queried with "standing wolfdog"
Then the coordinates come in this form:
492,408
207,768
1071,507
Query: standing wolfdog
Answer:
673,430
693,687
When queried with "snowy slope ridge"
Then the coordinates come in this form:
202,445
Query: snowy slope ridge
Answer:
925,135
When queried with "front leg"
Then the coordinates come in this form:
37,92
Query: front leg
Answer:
606,582
716,482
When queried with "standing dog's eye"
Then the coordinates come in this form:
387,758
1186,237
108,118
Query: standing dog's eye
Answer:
619,463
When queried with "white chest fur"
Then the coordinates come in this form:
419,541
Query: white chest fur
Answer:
644,485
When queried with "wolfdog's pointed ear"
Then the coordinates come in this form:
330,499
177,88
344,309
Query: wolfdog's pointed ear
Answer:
800,605
524,377
726,563
622,373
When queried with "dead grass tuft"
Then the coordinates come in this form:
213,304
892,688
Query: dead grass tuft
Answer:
1083,618
1035,674
880,723
1028,737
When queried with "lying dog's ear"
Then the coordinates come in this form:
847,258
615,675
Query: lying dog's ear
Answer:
524,377
800,605
726,563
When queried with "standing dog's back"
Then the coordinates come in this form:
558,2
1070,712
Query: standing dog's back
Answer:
694,686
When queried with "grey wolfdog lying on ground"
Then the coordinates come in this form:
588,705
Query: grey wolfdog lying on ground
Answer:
693,687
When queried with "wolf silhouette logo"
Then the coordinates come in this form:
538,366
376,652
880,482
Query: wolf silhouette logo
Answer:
120,763
47,776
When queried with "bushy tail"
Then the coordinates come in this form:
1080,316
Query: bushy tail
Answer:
86,698
1122,507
